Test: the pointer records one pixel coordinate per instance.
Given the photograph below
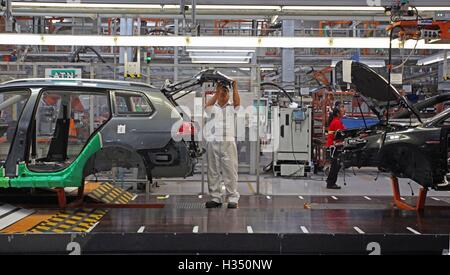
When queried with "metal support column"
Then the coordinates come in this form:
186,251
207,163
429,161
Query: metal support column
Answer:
92,71
35,71
194,20
288,55
445,72
175,54
257,91
8,17
254,152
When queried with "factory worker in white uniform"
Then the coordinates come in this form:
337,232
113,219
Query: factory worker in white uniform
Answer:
221,146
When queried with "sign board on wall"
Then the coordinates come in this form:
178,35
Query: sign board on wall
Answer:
69,73
396,79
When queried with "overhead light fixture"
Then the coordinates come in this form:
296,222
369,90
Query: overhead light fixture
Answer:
433,8
267,68
213,42
221,50
353,8
219,61
370,63
214,7
85,5
220,55
419,45
237,7
332,8
432,59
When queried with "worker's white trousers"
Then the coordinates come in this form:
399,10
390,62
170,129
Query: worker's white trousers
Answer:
222,157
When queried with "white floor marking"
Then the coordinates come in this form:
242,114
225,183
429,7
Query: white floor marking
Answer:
268,197
92,227
13,215
301,197
269,188
200,196
436,199
367,198
448,248
334,198
6,208
359,230
195,229
304,229
141,229
133,198
402,198
413,231
249,229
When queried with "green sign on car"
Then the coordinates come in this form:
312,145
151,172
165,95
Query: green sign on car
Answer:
63,73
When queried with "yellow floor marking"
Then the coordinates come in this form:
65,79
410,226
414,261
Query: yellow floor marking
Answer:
250,186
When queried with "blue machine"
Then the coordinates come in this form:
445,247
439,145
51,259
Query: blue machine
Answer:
353,122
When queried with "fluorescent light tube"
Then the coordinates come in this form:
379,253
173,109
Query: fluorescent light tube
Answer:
220,54
220,61
432,59
332,8
220,57
84,5
213,41
222,50
213,7
433,8
237,7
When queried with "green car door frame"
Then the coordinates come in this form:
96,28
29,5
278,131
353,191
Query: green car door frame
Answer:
15,172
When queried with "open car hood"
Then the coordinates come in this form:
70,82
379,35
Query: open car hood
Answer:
210,75
374,90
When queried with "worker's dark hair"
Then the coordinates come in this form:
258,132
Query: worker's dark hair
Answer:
334,113
223,86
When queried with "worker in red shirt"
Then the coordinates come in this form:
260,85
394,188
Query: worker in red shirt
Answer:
334,124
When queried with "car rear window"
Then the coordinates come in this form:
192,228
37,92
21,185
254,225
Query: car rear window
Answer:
129,103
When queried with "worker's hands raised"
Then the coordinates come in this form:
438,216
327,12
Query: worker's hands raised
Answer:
235,85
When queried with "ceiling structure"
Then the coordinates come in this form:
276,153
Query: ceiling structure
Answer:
322,33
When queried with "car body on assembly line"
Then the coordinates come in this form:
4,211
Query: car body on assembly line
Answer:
412,148
54,133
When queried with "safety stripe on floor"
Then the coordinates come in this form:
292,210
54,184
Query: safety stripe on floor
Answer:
10,214
80,220
108,193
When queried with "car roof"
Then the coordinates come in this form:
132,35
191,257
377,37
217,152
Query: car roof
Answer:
437,117
90,83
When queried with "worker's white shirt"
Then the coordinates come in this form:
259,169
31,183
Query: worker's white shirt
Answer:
221,125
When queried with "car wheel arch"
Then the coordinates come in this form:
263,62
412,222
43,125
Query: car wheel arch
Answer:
114,155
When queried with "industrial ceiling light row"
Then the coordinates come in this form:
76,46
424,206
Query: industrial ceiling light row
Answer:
208,42
213,7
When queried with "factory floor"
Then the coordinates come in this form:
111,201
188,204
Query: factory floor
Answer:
289,216
358,182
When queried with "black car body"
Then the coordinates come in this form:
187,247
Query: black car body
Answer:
409,148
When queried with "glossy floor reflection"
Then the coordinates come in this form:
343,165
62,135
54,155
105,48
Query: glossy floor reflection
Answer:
280,214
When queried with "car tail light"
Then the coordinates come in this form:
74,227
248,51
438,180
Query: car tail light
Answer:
187,129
